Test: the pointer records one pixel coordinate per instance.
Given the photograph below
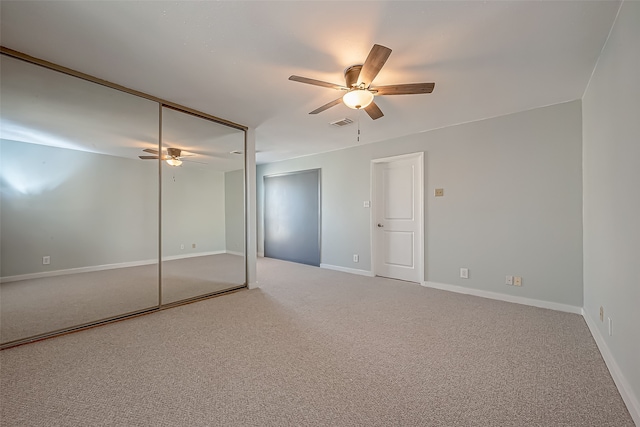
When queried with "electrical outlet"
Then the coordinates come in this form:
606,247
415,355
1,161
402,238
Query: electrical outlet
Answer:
356,258
509,281
439,192
182,246
601,313
46,260
517,281
366,204
464,273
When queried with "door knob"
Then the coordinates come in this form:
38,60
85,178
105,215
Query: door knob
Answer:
380,225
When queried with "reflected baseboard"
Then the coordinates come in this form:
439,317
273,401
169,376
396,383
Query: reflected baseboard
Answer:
93,268
77,270
234,253
192,255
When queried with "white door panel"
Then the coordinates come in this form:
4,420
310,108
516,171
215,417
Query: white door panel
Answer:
398,191
398,248
398,217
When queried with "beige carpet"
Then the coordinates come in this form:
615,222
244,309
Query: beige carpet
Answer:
316,347
37,306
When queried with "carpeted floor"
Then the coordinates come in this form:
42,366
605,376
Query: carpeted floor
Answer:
37,306
315,347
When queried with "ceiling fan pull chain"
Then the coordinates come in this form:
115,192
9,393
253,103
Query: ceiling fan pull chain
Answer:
359,114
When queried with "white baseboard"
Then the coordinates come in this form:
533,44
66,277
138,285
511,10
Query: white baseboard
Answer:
89,269
347,270
630,399
191,255
234,253
102,267
504,297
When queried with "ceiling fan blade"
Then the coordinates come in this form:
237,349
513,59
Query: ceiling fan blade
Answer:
326,106
373,111
373,64
150,150
317,82
149,157
406,89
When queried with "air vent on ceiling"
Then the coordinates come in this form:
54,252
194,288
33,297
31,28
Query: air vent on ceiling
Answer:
342,122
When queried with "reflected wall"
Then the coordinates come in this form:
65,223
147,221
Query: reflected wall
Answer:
83,218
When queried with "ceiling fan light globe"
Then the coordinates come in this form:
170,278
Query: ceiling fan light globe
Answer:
174,162
357,99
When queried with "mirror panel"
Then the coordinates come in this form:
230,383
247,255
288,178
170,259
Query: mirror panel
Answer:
79,210
202,207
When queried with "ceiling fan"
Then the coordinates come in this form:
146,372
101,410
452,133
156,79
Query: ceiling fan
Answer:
173,156
359,92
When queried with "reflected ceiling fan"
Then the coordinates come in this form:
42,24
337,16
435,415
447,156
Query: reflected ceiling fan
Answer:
359,92
173,156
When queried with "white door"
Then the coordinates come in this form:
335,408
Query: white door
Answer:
398,217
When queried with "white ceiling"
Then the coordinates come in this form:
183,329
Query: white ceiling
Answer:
232,59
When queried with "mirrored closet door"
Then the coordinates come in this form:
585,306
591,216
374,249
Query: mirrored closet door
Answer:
78,215
98,185
202,207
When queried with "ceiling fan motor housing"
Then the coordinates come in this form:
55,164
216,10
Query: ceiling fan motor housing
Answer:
351,75
174,152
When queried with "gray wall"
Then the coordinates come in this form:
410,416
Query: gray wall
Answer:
85,209
80,208
234,210
611,126
193,210
512,204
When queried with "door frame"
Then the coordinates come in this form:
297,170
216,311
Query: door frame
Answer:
419,182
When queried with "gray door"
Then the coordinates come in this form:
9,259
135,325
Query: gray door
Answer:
292,217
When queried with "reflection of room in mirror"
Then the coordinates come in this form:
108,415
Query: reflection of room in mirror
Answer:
80,213
94,220
208,144
202,208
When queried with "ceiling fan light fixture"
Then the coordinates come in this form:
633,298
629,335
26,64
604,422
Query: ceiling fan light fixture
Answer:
174,162
358,98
